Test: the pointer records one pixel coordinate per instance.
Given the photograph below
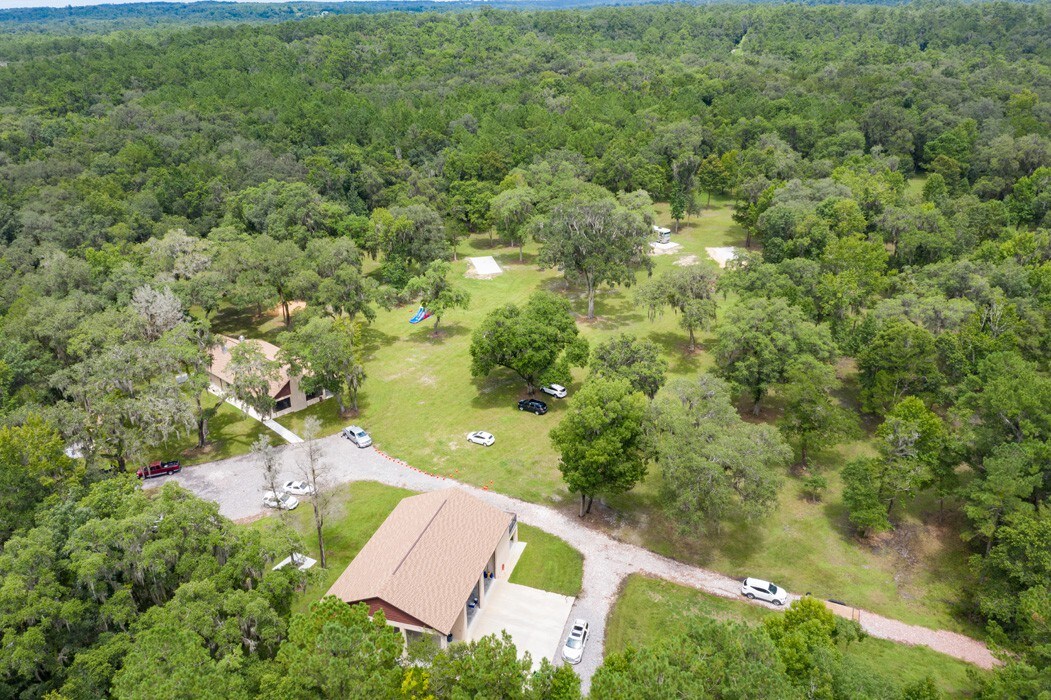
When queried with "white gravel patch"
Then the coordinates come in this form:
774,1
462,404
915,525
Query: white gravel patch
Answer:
722,255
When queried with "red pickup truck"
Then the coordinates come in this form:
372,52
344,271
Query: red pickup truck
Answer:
159,469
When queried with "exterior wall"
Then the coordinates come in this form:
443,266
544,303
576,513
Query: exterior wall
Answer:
459,631
217,382
394,616
299,399
503,552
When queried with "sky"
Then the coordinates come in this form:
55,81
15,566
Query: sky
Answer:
10,4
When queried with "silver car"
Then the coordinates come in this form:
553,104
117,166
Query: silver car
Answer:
356,435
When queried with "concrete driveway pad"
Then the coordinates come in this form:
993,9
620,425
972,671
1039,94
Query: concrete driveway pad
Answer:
532,617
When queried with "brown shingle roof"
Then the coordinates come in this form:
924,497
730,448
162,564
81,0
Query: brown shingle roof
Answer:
426,556
221,360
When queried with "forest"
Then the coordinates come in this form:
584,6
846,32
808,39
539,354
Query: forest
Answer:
882,343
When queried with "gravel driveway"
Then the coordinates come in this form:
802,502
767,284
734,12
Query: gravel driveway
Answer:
236,485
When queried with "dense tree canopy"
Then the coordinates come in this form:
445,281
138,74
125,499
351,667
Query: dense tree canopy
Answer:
888,167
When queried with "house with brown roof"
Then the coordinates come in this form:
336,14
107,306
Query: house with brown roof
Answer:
430,565
285,390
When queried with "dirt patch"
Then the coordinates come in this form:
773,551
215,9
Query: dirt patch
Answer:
687,261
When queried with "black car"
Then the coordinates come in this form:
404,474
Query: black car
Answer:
533,406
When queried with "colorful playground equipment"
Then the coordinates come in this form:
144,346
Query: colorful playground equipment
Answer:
421,315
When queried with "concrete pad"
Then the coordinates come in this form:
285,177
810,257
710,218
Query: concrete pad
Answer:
664,248
485,266
722,255
532,617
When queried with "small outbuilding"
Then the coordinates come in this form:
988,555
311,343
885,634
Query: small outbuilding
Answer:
430,565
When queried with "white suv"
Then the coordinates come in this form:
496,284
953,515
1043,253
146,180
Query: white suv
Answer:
556,390
754,588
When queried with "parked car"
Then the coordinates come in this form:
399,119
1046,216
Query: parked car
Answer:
480,437
281,501
754,588
299,488
556,390
575,642
356,435
533,406
159,469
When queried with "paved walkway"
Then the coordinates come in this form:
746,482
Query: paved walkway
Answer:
236,485
284,432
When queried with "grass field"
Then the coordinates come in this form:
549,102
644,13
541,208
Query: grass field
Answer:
357,511
230,433
548,563
641,616
419,402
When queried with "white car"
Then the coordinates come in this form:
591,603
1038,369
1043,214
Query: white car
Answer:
356,435
575,642
758,589
299,488
281,501
556,390
480,437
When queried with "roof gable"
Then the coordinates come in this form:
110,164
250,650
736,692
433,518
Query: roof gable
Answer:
426,556
221,360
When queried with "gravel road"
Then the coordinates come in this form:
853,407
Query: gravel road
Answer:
235,484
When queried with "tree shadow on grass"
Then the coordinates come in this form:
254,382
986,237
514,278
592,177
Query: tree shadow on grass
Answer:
838,516
427,333
237,322
504,388
737,540
372,339
676,348
510,259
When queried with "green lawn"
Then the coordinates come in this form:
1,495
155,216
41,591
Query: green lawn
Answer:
327,412
419,402
548,563
642,615
230,433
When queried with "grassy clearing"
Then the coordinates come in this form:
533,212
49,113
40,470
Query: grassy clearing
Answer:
327,412
810,547
419,402
230,433
548,563
641,616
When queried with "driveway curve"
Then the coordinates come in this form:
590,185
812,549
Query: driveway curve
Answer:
236,485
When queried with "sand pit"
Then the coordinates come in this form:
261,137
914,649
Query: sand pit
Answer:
722,255
483,268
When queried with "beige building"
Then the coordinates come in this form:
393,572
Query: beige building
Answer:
284,390
431,564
